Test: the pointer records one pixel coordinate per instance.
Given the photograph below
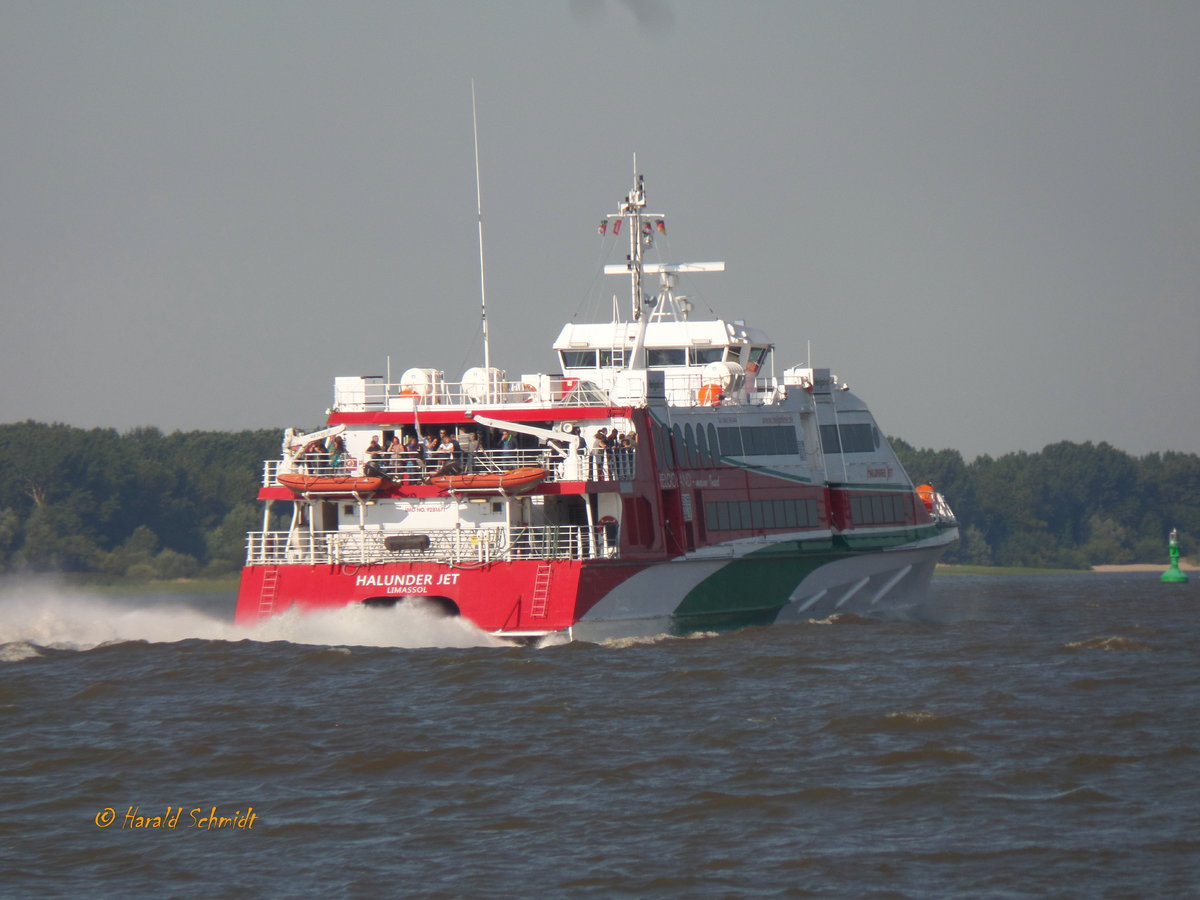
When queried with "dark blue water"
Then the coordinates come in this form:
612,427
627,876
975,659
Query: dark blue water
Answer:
1014,737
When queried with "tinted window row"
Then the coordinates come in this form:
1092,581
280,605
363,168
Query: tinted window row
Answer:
877,509
747,515
587,359
703,445
849,438
758,440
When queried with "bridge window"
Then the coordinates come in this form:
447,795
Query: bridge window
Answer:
578,359
702,356
758,358
660,357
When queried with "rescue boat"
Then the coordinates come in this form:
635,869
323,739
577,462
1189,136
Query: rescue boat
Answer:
511,481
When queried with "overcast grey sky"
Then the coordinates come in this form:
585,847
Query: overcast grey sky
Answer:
983,215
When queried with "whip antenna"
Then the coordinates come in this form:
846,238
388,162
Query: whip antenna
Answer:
487,350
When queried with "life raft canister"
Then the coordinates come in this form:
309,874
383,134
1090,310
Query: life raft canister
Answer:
710,395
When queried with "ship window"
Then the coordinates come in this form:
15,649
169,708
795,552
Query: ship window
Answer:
744,515
769,440
701,447
878,509
717,516
757,440
612,358
681,459
702,356
731,440
829,440
714,448
659,357
578,359
863,438
689,443
758,358
662,437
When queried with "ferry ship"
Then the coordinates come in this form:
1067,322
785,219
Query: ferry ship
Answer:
662,479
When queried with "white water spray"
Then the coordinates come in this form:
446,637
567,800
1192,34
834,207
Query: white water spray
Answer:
46,614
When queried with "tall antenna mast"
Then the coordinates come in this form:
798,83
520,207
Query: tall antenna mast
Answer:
487,350
631,212
632,208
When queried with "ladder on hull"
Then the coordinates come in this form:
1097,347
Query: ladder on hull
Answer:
266,593
541,591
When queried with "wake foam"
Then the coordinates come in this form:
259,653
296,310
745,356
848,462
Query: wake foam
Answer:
36,615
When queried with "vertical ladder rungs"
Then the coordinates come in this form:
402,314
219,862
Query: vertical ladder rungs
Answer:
541,590
266,594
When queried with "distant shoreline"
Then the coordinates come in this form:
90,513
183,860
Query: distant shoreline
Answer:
950,569
1184,566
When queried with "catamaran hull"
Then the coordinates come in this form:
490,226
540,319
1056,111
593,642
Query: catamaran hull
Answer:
757,584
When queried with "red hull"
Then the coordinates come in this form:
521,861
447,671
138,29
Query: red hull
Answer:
528,605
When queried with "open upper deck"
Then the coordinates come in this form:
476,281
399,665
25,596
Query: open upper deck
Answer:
690,384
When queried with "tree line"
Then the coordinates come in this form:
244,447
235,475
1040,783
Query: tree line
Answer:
140,504
1070,506
145,504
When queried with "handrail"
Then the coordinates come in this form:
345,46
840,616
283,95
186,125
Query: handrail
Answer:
555,390
615,465
452,546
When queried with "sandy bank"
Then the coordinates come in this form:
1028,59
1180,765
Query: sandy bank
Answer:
1184,566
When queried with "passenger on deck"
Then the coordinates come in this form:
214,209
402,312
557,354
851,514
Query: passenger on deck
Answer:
623,454
599,455
394,454
410,459
312,457
470,447
508,444
447,449
337,451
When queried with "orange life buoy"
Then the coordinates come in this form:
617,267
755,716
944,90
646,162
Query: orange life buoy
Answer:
710,395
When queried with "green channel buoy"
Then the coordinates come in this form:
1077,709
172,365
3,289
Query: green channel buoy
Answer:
1173,575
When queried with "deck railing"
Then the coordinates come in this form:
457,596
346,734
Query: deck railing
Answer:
614,465
452,546
554,391
432,390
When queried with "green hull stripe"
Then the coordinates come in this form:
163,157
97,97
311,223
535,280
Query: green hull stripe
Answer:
751,590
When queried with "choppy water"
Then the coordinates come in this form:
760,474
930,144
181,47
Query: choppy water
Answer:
1013,737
